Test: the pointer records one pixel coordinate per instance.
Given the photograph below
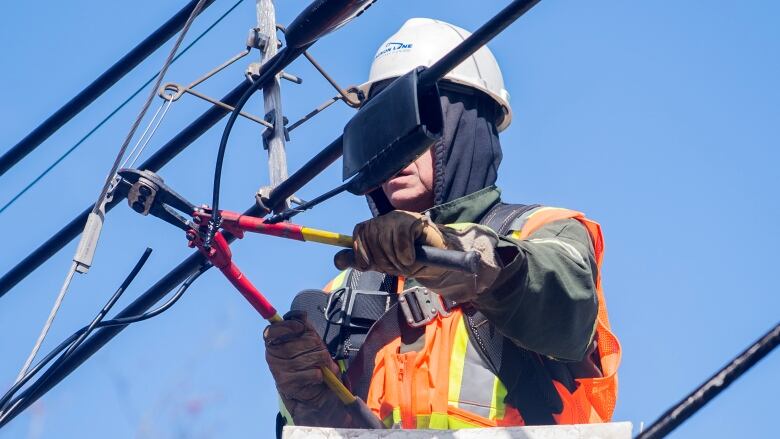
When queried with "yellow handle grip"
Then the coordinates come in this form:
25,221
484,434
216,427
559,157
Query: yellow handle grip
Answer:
331,380
335,384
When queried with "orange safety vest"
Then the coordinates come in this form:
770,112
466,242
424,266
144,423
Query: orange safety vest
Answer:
446,385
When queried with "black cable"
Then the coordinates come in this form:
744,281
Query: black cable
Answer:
130,277
102,83
162,308
160,158
122,287
78,337
291,212
713,386
269,71
113,112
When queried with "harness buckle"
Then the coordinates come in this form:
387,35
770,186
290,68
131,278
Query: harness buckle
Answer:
421,305
356,308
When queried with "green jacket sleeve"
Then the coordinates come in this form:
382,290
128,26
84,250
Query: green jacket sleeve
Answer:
544,298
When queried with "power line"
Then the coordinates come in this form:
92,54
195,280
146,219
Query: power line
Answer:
111,114
697,399
160,158
9,408
97,87
82,260
143,303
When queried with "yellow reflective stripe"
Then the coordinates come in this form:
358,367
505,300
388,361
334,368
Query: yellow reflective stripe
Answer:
457,361
326,237
342,366
517,234
459,226
337,281
285,413
442,421
436,421
433,421
459,424
497,406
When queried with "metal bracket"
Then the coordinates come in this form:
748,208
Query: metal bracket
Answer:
270,119
421,305
253,71
261,197
173,91
256,40
352,97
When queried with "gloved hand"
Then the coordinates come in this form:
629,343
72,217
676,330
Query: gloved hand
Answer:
294,353
386,244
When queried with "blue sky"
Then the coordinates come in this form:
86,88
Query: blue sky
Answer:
658,119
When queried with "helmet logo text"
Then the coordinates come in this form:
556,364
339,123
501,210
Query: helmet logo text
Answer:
393,47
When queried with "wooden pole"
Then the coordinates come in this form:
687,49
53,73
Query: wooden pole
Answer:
273,139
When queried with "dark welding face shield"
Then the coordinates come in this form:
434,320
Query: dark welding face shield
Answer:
391,129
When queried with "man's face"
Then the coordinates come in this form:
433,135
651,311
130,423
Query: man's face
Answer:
412,188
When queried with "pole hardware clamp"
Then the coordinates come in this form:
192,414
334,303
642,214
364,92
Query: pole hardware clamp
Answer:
269,132
256,39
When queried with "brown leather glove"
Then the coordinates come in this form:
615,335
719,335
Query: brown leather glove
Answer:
386,244
295,352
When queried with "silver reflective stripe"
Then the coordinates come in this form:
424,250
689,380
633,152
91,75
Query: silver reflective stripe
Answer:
520,221
476,392
576,255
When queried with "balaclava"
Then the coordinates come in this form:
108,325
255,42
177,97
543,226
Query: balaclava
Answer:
467,157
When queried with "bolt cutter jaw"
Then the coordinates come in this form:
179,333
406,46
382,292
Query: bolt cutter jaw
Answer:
148,194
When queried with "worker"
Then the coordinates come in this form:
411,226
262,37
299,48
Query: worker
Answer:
525,341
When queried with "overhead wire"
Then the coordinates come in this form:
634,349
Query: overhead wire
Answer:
267,72
96,88
132,159
100,203
112,300
268,69
327,156
147,103
23,376
78,337
143,135
120,321
114,112
47,325
717,383
160,158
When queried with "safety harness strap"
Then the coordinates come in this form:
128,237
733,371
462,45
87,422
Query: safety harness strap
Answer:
343,317
529,386
385,330
364,298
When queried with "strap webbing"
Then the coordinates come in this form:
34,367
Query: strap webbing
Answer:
343,317
501,217
529,386
361,369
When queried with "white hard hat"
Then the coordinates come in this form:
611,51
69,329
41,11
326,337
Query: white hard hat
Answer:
422,42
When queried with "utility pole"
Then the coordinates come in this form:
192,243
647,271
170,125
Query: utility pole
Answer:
273,138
